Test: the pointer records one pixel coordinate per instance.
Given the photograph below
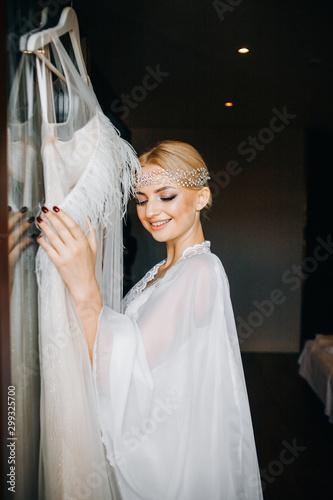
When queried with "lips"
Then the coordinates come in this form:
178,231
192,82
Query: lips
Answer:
159,224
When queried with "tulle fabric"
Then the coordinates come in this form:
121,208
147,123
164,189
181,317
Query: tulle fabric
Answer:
171,393
89,171
25,189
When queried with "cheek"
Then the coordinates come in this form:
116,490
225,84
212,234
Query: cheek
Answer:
181,206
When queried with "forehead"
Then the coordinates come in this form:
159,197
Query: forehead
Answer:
154,176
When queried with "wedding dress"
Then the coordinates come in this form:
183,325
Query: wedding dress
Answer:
172,400
88,171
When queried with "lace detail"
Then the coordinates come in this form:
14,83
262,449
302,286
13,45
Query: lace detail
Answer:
141,286
196,249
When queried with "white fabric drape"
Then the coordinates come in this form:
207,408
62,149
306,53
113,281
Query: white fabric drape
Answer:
172,399
89,171
25,189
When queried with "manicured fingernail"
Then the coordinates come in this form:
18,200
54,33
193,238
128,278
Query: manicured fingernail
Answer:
9,208
31,219
23,210
45,210
33,236
56,209
39,220
39,236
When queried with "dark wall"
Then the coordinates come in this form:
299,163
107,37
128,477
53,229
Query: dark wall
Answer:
317,300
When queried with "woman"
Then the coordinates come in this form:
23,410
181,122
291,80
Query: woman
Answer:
171,394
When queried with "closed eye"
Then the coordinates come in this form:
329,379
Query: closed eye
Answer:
169,199
143,202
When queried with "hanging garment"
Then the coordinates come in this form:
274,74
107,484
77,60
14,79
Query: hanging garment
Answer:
25,189
172,400
88,171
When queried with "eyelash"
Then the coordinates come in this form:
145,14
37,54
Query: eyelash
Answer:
163,199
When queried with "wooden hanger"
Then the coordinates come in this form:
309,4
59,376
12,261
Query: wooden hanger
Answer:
43,22
68,23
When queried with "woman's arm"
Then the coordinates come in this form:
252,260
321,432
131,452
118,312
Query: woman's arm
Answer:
74,255
89,309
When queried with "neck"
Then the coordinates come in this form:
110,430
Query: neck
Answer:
175,248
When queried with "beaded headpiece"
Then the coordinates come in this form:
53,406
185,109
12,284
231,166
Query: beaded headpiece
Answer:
190,178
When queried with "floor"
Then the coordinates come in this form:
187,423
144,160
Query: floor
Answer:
294,438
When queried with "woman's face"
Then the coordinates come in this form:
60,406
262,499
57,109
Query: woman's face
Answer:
168,211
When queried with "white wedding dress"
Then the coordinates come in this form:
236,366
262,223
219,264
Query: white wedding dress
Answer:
172,400
89,171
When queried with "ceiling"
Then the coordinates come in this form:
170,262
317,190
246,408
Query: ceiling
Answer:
194,44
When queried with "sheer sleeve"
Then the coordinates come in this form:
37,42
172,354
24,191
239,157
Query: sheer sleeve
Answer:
172,399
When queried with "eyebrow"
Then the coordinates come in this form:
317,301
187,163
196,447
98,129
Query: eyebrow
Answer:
157,190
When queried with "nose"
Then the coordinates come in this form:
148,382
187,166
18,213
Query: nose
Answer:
152,209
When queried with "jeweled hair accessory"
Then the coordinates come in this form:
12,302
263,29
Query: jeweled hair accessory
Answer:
190,178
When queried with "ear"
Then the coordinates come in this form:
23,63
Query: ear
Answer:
202,198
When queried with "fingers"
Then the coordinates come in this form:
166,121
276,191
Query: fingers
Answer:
64,232
51,252
66,227
18,249
58,234
17,232
15,217
69,223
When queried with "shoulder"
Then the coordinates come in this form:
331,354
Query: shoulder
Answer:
203,267
203,262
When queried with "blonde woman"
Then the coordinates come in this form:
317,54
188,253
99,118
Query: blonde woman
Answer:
171,395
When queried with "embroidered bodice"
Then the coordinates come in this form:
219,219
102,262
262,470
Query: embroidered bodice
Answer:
141,286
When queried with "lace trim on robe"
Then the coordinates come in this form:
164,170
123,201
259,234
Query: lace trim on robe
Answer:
149,276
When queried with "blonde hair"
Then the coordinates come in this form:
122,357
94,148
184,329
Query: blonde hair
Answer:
173,155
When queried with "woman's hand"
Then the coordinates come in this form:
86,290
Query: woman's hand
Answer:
74,255
18,241
71,251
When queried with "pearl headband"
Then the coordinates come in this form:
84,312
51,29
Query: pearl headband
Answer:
191,178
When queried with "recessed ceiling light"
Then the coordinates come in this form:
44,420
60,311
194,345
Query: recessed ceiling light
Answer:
243,50
228,104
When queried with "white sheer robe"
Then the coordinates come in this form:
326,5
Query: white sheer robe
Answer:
172,400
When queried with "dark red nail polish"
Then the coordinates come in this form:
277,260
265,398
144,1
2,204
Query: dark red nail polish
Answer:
56,209
31,219
39,236
39,220
45,210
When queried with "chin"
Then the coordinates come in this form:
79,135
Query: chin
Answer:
160,237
